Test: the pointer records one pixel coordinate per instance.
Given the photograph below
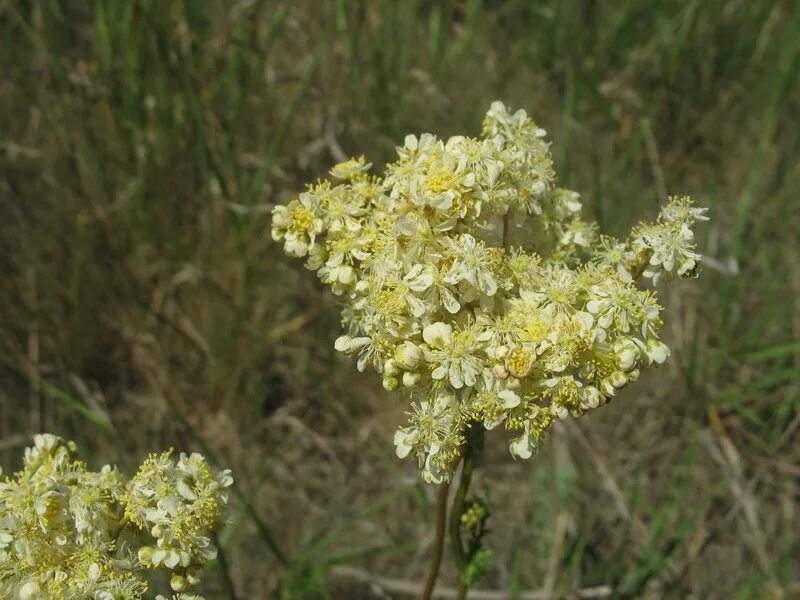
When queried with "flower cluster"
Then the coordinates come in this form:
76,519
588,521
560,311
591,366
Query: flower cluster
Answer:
472,284
68,533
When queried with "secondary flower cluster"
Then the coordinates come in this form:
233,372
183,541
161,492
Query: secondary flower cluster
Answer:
473,284
67,533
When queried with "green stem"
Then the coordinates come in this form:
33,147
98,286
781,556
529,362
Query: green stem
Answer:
438,543
462,591
472,450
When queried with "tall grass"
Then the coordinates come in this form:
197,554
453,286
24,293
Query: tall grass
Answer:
142,303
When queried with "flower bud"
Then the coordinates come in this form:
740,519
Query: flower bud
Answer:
146,555
29,591
627,353
391,368
157,531
411,379
500,372
408,355
618,379
590,397
390,384
178,583
346,274
626,359
362,287
512,383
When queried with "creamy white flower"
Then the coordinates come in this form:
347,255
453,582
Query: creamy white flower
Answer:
471,282
616,302
404,441
524,445
455,358
657,351
297,224
350,169
60,524
473,262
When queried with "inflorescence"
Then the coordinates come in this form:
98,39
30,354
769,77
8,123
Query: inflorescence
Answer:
67,533
472,284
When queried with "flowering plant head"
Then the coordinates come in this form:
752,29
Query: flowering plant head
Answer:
67,533
473,285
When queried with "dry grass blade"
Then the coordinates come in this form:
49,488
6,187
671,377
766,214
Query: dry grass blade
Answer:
559,532
610,484
723,450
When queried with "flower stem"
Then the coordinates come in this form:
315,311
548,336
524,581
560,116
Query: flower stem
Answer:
438,542
472,450
462,591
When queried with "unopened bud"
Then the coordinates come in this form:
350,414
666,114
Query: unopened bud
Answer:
193,575
618,379
390,384
29,591
411,379
626,359
391,368
146,554
346,275
178,583
500,372
408,355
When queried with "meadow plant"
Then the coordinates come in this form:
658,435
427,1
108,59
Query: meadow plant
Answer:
67,533
474,287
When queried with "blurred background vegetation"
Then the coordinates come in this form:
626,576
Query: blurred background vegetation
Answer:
143,304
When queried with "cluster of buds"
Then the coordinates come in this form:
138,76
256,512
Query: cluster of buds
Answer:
473,285
68,533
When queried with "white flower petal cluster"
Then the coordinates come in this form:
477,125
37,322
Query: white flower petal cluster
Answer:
472,284
68,533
